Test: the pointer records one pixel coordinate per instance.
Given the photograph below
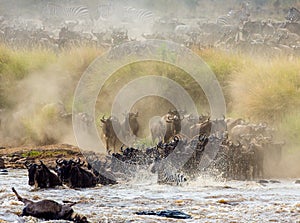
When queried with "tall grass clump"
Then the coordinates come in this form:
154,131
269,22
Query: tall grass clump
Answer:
44,126
290,128
16,65
77,59
224,65
267,90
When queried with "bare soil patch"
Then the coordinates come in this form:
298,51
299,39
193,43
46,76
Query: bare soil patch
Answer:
15,157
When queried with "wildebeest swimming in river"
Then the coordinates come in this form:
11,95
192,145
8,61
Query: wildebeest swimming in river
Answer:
72,173
49,210
41,176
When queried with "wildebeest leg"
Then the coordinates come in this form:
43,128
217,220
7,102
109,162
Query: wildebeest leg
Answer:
107,143
153,138
114,144
24,200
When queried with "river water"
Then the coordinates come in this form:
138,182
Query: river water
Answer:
206,200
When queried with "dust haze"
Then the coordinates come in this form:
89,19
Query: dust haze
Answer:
37,108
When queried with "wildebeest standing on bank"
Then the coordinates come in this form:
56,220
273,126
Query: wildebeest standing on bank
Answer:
203,127
166,127
41,176
49,210
172,123
157,128
130,125
187,122
109,127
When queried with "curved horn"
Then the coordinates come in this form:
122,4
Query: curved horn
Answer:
77,161
27,164
59,161
176,138
71,161
170,118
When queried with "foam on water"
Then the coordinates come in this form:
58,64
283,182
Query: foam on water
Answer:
205,198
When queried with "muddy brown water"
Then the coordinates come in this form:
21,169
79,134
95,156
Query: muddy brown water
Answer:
206,199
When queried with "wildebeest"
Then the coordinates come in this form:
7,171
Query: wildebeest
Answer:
293,27
166,127
49,210
2,166
130,125
109,126
201,128
233,122
84,120
41,176
238,133
157,128
187,122
104,177
72,173
172,123
293,15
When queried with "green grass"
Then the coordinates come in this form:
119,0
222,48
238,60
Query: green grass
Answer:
46,153
75,60
290,128
255,89
32,154
16,65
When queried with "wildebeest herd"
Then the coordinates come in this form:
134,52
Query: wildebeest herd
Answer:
242,147
184,142
236,30
240,151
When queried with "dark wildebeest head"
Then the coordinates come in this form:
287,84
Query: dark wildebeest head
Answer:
203,127
41,176
172,122
50,210
63,169
32,168
72,173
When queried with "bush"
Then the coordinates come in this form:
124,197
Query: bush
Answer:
267,90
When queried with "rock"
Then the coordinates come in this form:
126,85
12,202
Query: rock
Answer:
3,172
168,214
222,201
274,181
297,182
2,166
263,181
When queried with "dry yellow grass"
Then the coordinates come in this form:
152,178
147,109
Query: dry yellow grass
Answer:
267,90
